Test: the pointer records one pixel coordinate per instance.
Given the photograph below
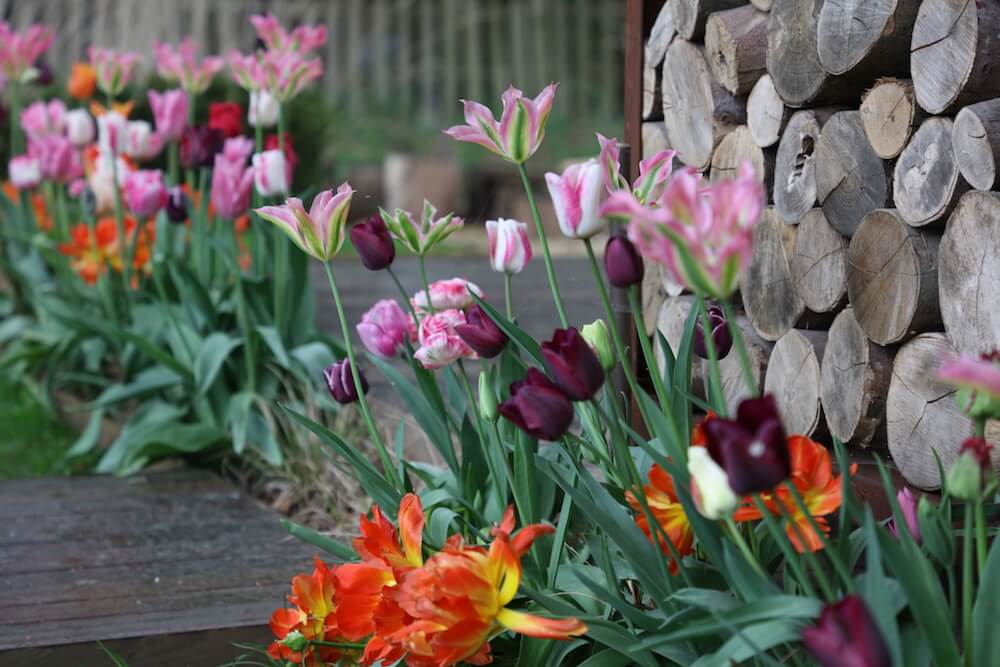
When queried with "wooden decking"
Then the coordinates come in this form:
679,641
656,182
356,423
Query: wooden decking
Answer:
167,568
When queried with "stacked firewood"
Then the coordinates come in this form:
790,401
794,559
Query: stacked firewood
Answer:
875,127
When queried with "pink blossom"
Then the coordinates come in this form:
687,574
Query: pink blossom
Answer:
908,506
101,178
440,345
248,73
654,171
20,50
509,247
321,231
141,142
58,158
301,39
145,193
978,375
25,172
237,149
112,131
170,110
114,68
181,65
271,173
41,119
232,182
79,127
446,294
289,72
385,328
576,196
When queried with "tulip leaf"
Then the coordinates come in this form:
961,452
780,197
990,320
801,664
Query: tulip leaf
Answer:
986,612
213,354
874,587
620,640
89,437
440,524
609,657
272,339
515,333
339,551
751,642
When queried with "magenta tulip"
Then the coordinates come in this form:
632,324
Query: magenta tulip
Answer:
846,635
180,65
170,111
145,193
908,506
20,50
232,183
385,329
752,449
481,333
43,119
538,407
59,159
572,364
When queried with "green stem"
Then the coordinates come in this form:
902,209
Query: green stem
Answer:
737,537
350,646
967,585
383,452
508,293
259,236
791,558
243,313
981,543
200,240
14,95
809,556
544,242
831,553
426,284
715,395
120,216
647,349
741,347
402,292
477,423
627,467
173,163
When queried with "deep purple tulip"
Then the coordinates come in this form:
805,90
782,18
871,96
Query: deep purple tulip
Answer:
340,382
622,262
720,334
538,407
177,205
199,146
373,242
44,77
572,364
846,636
752,449
480,333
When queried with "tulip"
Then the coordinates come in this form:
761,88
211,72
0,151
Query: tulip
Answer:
284,74
112,132
654,171
576,196
538,407
177,205
846,635
141,143
43,73
710,490
752,448
520,130
908,506
721,337
972,477
101,179
79,127
303,38
181,65
237,149
170,110
573,366
25,172
113,68
488,408
82,81
598,337
481,333
340,381
231,187
58,159
610,164
509,247
227,117
622,262
374,243
320,232
440,344
420,237
145,193
264,109
199,146
385,329
270,174
247,70
445,294
42,119
274,142
978,381
20,50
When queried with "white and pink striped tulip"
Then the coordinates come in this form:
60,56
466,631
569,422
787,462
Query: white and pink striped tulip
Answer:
520,130
509,247
25,172
270,173
576,196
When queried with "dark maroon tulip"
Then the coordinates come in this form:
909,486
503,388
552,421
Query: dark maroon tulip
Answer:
538,407
572,364
44,77
177,205
846,636
374,244
752,449
622,262
199,146
720,334
340,382
480,333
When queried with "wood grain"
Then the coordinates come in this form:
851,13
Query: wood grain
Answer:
927,183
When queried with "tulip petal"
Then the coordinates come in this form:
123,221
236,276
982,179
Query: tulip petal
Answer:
538,626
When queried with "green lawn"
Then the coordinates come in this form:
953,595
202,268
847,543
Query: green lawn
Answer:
32,441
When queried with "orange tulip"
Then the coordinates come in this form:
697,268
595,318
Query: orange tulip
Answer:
92,253
82,81
668,513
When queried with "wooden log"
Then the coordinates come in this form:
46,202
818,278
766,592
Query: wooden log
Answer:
795,166
872,36
927,183
698,112
851,179
854,379
690,16
955,48
652,100
793,378
736,148
976,140
767,115
772,304
819,264
734,385
921,415
892,278
890,115
653,296
969,273
762,5
736,47
654,138
660,36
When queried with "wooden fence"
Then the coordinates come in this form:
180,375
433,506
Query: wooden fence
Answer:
419,55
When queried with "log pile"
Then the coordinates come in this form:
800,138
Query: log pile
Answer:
875,127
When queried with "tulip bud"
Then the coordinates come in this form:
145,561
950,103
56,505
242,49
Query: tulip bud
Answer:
295,641
264,109
846,635
971,476
481,333
177,205
908,506
721,337
599,338
509,247
487,397
573,366
710,488
374,243
538,407
25,172
270,173
340,381
622,262
79,127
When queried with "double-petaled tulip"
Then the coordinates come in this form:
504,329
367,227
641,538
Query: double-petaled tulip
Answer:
721,337
373,242
972,477
20,50
978,381
576,196
509,247
320,231
710,490
846,635
199,145
79,127
264,109
572,364
145,193
520,130
445,294
622,262
340,381
181,65
908,507
385,329
440,344
598,337
538,407
232,182
112,132
24,171
58,158
420,237
141,142
170,110
270,173
113,68
177,205
752,448
481,333
82,81
41,119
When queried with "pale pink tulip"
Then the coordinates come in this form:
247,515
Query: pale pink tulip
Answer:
114,68
145,193
112,132
440,345
270,173
509,247
232,182
447,294
170,110
79,127
20,50
576,196
101,178
141,142
25,172
41,119
975,374
520,130
654,171
180,64
321,231
385,328
287,73
247,70
264,109
238,149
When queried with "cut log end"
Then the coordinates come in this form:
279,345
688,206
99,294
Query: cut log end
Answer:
865,34
927,183
736,47
690,16
769,296
889,113
976,141
795,166
736,148
793,378
819,264
767,115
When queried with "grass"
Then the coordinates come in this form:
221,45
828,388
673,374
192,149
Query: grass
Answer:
33,442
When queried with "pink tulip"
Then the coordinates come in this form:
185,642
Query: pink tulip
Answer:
25,172
232,182
321,231
978,375
509,247
114,68
145,193
248,72
42,119
440,345
908,507
287,73
141,143
302,39
180,64
112,132
170,110
610,163
79,127
520,130
237,149
576,196
20,50
447,294
654,171
385,329
271,173
58,158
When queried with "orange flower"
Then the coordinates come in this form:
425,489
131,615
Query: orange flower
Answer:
661,496
91,253
124,108
82,81
42,218
698,438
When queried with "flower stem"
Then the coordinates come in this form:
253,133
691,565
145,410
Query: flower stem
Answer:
544,242
477,422
426,283
508,294
981,543
783,543
383,452
741,544
714,380
967,585
647,349
741,347
406,299
14,95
